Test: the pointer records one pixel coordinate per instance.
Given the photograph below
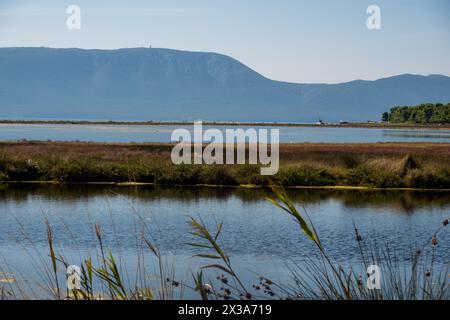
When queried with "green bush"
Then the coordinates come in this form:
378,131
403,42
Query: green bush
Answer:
145,173
439,179
89,171
113,173
179,175
22,170
250,174
217,175
365,176
306,176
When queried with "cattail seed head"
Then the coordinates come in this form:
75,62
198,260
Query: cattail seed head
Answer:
434,241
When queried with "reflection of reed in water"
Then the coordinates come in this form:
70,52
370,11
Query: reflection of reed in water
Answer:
434,134
405,201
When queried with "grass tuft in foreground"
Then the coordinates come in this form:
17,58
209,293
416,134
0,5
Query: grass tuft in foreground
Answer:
323,278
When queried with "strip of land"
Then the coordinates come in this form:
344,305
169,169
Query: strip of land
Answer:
375,165
374,125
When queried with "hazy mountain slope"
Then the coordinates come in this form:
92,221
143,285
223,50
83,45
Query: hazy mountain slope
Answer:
163,84
361,100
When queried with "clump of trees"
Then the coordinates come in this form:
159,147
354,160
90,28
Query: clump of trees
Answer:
423,113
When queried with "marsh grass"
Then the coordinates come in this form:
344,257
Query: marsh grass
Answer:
103,276
321,277
414,275
357,165
378,173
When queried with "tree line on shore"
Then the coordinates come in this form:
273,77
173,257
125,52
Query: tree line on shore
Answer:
427,113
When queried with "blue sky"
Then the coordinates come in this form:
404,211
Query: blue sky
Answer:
290,40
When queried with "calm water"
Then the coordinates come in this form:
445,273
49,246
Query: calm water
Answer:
162,133
257,236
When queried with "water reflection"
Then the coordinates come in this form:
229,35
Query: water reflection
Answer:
418,134
255,234
401,201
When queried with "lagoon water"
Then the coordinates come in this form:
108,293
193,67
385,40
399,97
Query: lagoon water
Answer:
259,238
162,133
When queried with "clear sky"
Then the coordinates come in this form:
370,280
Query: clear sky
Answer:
290,40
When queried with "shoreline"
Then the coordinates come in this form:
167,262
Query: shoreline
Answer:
241,186
377,125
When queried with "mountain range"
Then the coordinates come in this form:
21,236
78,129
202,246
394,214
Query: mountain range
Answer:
164,84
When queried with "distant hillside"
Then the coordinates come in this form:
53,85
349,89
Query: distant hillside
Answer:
163,84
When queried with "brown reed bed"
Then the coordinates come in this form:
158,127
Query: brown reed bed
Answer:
375,165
